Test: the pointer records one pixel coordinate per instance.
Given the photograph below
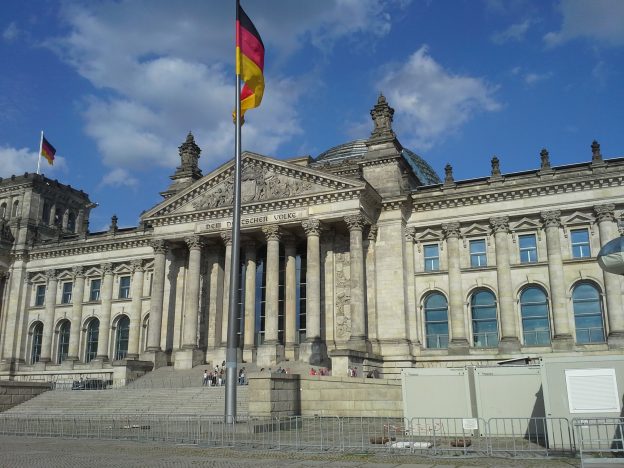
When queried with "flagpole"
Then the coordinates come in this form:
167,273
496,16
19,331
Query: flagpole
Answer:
40,149
231,355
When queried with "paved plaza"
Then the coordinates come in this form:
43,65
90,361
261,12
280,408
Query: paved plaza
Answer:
53,452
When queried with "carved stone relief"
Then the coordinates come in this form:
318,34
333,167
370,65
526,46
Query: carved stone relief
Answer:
342,278
258,183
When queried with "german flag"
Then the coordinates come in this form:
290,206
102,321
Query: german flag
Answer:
249,61
47,150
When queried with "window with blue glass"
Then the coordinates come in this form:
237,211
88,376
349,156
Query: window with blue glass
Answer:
436,321
528,248
588,317
534,312
580,243
93,331
66,297
124,287
40,294
94,293
63,341
37,340
432,257
484,325
478,253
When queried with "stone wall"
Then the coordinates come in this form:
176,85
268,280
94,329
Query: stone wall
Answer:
290,395
13,393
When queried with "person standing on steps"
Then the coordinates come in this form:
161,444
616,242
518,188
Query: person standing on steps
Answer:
205,382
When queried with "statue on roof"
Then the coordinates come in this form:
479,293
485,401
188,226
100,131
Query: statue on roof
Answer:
382,115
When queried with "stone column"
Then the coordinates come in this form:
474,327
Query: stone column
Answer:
290,299
272,235
135,309
215,302
509,341
225,309
48,327
607,228
458,343
76,316
250,301
312,351
357,341
410,288
12,309
105,312
156,301
562,338
191,297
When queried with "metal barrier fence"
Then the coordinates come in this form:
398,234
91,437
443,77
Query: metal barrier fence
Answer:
601,438
430,437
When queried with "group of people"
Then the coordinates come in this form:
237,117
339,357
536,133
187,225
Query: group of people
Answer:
216,377
320,371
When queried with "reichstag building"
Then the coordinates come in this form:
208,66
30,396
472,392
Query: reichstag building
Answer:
362,256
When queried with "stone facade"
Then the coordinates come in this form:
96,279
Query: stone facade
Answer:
359,257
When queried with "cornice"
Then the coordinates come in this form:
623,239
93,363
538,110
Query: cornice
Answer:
85,248
472,196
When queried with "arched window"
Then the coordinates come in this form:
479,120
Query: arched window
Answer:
144,331
93,331
15,209
45,216
37,339
436,321
63,341
121,337
588,319
71,222
3,210
484,326
534,311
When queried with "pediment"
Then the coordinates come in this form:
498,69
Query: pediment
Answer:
476,230
65,276
429,235
38,277
93,272
578,218
526,224
263,179
122,269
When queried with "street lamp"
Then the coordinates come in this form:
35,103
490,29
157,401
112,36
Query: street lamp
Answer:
611,256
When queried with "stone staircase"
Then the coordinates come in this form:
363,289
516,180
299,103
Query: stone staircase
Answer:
164,391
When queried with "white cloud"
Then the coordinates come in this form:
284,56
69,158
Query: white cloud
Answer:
171,72
515,32
599,20
532,78
119,178
11,32
20,160
430,101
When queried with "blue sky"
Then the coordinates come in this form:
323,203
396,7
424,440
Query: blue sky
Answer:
116,85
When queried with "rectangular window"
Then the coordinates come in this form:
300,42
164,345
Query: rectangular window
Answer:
66,298
528,248
580,243
432,257
94,293
478,255
40,295
124,287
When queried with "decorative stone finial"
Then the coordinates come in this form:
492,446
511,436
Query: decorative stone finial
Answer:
189,154
382,115
596,155
545,159
448,174
113,224
496,167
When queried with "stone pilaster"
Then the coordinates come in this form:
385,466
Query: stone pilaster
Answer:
607,228
48,323
357,341
156,304
410,288
105,312
291,348
76,315
458,343
562,339
509,341
227,240
138,274
270,351
249,344
371,288
13,309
